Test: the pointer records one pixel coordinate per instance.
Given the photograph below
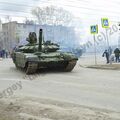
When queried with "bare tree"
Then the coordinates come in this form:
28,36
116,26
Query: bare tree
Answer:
30,22
8,18
52,15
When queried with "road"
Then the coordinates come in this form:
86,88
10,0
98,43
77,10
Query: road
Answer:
83,86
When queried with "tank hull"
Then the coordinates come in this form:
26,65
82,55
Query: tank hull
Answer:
66,66
34,62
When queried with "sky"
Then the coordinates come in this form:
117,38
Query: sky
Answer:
83,9
86,12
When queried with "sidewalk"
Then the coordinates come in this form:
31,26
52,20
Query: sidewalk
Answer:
88,61
114,66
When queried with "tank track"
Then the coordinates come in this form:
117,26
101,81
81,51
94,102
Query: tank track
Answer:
31,68
70,66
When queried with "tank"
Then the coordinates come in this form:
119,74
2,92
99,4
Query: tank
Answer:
44,54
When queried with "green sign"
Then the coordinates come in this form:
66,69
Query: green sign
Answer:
105,22
94,29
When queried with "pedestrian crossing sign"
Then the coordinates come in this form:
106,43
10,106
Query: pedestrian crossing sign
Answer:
105,22
94,29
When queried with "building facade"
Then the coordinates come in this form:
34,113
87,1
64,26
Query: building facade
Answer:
14,33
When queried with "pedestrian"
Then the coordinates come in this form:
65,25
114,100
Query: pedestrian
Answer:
106,54
112,56
0,54
117,54
3,53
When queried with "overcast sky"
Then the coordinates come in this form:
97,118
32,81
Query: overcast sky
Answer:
86,11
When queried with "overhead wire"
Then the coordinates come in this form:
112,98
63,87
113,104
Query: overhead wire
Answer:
81,7
26,12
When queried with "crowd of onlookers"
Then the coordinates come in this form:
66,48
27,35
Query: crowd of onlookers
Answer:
112,55
4,53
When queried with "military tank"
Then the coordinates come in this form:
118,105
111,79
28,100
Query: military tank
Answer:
35,56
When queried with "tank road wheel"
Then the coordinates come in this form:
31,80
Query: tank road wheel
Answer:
70,66
31,67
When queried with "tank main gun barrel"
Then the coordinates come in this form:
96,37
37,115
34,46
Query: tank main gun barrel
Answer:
40,40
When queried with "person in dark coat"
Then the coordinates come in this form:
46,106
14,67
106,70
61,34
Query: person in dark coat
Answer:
106,54
0,54
117,54
3,53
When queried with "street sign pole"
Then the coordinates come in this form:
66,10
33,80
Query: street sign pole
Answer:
95,49
107,39
105,24
94,30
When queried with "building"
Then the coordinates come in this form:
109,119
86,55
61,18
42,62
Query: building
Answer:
1,36
9,34
15,32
